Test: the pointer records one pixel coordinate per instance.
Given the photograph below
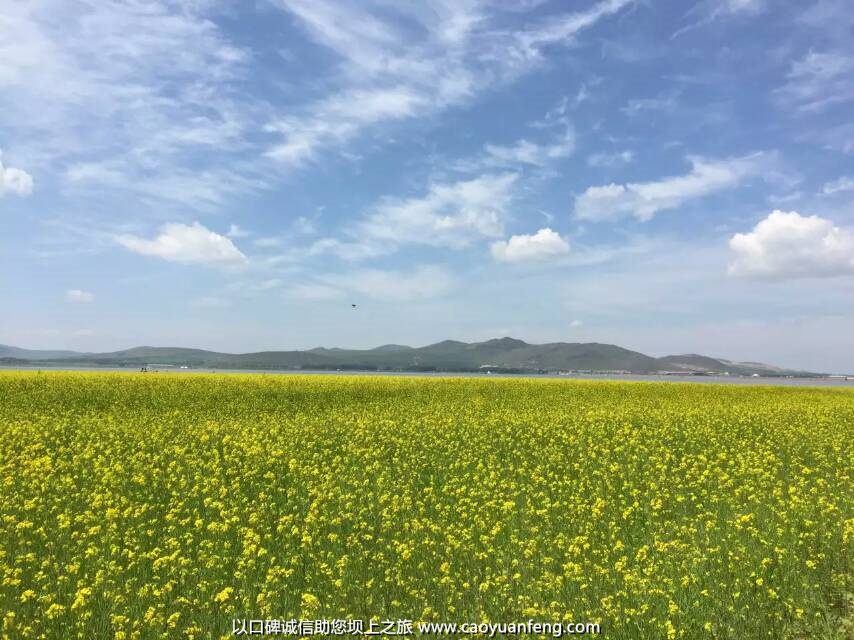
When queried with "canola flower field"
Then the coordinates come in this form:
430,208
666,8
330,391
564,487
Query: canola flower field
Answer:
138,506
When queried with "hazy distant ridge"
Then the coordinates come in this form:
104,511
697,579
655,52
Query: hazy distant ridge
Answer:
449,355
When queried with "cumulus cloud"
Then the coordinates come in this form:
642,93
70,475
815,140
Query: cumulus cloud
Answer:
450,214
644,199
15,181
186,243
844,183
789,245
78,295
543,245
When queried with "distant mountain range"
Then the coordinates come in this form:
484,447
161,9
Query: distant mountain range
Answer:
499,354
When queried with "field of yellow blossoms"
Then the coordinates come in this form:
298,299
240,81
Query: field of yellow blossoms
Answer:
166,505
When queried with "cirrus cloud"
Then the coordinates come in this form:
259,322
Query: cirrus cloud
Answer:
844,183
644,199
435,59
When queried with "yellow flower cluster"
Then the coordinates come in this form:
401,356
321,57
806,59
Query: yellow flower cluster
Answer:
162,506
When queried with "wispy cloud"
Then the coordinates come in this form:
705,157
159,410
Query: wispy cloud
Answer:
235,231
117,95
818,80
707,11
78,295
338,119
420,283
610,160
644,199
522,154
449,214
393,69
664,103
841,184
210,302
839,137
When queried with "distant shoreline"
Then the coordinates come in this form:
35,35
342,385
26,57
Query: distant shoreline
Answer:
786,381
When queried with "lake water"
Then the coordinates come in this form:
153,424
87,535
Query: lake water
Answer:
787,382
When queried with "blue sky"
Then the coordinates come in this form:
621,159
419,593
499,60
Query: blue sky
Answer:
668,176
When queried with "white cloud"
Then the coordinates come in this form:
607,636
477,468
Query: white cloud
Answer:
305,226
525,152
336,120
711,10
789,245
785,197
644,199
450,214
839,137
543,245
421,283
576,324
432,59
16,181
111,95
741,6
235,231
561,29
78,295
93,172
818,80
266,285
666,103
844,183
186,243
350,250
614,159
267,242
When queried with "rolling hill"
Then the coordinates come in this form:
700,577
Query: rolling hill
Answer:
498,354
